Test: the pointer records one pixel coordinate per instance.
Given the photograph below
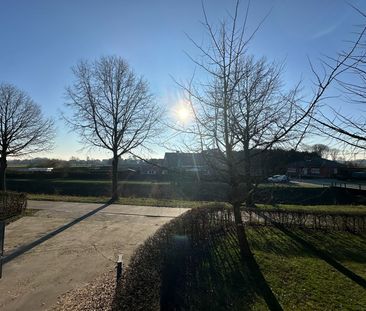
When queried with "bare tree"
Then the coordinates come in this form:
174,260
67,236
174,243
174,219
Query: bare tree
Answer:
243,108
320,149
263,113
333,154
340,124
112,108
23,129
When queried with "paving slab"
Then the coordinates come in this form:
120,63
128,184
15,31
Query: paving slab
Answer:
75,256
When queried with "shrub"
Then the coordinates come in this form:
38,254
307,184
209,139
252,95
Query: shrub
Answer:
201,191
163,261
12,204
319,220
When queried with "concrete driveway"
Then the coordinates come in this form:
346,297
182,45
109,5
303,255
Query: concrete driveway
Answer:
70,249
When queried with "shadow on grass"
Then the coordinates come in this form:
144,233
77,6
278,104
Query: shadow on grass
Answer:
213,276
331,247
339,244
191,264
324,255
268,239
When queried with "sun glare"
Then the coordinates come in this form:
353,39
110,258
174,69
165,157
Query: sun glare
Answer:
182,113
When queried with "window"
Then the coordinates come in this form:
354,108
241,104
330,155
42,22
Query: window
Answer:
315,171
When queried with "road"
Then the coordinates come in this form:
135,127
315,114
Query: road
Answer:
70,249
331,182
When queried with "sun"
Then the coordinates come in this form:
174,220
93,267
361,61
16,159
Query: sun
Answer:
182,112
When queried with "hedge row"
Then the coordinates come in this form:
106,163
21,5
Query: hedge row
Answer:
205,191
152,275
12,204
318,220
352,222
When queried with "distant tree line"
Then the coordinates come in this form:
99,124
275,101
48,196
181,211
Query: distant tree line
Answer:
240,105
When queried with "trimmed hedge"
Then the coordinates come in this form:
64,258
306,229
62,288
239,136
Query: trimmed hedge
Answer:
160,264
12,204
319,220
204,191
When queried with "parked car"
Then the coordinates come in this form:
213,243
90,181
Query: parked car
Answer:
278,178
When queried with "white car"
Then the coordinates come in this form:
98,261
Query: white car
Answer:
278,178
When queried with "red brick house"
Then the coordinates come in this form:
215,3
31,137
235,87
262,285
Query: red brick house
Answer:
314,168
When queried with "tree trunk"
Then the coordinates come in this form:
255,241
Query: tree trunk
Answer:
247,175
3,166
115,178
248,184
245,251
236,200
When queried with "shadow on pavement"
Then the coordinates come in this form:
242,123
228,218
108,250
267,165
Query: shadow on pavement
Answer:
24,248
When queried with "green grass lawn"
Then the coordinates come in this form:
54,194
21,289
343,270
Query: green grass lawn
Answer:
299,279
124,201
89,181
143,182
289,185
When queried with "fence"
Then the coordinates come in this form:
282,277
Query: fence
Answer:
339,184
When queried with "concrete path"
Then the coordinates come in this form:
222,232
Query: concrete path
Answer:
75,255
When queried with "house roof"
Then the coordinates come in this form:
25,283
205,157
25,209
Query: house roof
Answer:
153,163
182,159
315,163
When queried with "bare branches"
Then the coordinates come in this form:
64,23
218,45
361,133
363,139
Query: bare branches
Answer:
242,103
23,129
241,108
112,107
349,72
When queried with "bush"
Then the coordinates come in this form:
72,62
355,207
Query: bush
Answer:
161,264
12,204
319,220
160,272
201,191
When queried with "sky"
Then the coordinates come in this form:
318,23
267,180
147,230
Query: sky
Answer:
40,40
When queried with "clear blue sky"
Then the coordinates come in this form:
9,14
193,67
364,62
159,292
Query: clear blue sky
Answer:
42,39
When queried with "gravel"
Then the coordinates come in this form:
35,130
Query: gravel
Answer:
97,295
